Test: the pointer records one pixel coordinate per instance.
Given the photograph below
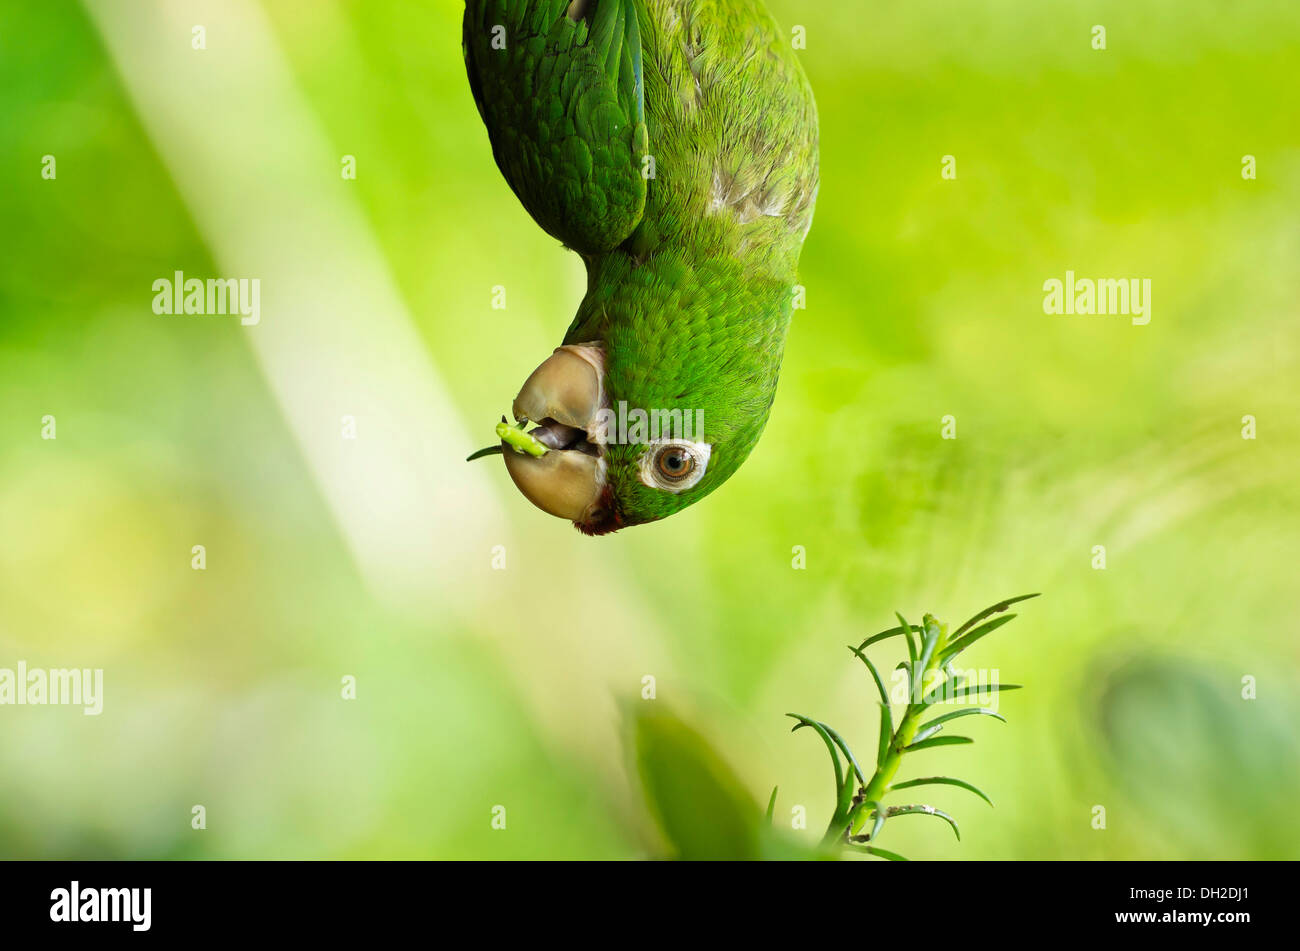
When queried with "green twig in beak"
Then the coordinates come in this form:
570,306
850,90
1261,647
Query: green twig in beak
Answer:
519,440
515,438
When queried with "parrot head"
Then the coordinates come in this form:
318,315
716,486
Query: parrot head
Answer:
634,427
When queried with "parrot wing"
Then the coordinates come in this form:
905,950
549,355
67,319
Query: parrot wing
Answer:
559,87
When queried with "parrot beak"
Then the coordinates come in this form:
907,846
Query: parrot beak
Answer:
565,483
567,388
563,397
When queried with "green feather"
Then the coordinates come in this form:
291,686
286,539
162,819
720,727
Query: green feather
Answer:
564,116
674,144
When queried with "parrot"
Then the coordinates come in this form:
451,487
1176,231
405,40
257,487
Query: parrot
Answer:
673,145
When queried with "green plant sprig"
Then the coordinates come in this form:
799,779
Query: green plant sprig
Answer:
930,678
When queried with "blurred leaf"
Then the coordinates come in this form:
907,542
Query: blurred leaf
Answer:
1183,744
701,807
884,853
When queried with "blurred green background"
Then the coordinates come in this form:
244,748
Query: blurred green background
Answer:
373,557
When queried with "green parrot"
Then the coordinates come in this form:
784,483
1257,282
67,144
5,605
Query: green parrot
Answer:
673,145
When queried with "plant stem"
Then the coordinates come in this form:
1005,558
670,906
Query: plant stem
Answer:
934,637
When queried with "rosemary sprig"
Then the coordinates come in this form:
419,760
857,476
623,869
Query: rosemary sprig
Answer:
930,679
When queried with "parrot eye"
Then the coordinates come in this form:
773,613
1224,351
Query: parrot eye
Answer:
674,463
674,466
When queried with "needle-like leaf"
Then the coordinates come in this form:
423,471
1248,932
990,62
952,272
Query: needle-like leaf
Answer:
931,679
489,451
884,853
927,731
908,629
925,811
875,674
830,746
937,741
959,645
876,851
848,753
964,712
884,635
878,820
943,687
975,690
992,609
942,781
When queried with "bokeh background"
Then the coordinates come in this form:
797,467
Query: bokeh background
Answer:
373,557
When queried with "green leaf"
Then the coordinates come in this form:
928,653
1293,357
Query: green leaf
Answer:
771,805
876,851
884,853
928,643
941,781
884,635
907,630
830,745
489,451
975,690
875,674
994,609
964,712
927,731
878,819
848,754
937,741
907,666
702,808
954,681
959,645
926,811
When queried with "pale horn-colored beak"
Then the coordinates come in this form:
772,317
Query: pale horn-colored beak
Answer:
563,397
567,388
564,482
